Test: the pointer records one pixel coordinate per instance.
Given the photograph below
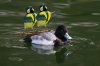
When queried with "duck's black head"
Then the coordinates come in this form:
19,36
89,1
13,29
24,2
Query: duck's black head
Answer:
60,32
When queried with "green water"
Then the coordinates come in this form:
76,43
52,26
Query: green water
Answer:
81,17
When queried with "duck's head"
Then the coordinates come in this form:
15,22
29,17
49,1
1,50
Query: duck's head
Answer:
60,32
29,9
61,28
43,7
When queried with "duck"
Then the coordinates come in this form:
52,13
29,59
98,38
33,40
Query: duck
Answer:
43,16
60,35
30,18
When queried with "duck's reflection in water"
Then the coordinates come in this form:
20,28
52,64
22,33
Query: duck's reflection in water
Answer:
60,55
60,52
43,49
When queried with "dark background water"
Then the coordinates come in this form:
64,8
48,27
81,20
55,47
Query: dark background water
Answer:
81,17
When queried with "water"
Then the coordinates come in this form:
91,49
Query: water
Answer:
81,17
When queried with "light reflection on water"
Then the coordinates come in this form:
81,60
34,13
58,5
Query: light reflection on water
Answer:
11,13
61,5
42,49
10,25
5,1
95,14
8,35
15,59
85,24
77,39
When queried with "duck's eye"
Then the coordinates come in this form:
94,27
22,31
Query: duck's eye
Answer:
28,11
41,9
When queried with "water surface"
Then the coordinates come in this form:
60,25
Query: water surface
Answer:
81,17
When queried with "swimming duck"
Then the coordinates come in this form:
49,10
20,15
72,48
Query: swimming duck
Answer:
51,38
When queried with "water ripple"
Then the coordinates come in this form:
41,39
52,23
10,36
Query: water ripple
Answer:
59,16
5,1
15,59
85,24
95,14
61,5
79,39
10,13
9,25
